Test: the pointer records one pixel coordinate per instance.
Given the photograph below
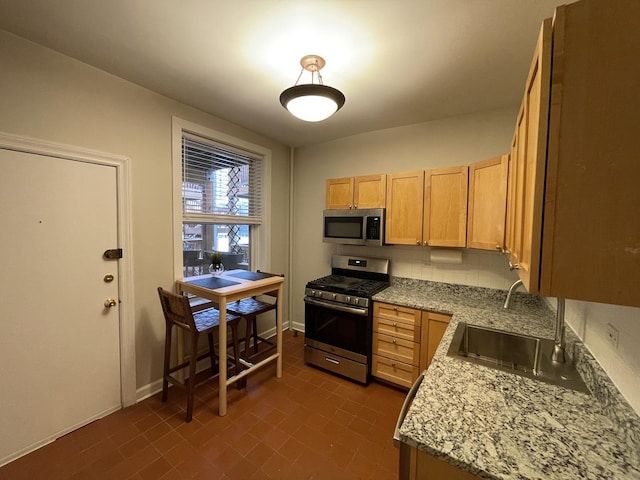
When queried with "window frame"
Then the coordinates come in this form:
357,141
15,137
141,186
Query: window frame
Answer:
260,245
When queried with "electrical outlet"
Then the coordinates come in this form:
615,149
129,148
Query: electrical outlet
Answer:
612,335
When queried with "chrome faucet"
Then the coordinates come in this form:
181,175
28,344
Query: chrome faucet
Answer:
559,343
513,288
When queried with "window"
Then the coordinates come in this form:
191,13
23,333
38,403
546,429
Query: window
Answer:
221,201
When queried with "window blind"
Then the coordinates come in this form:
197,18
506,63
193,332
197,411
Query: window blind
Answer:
220,183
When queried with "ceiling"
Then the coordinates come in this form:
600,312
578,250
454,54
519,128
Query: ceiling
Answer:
397,62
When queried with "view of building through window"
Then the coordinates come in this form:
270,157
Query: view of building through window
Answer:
217,198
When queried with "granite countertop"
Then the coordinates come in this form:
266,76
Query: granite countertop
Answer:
498,425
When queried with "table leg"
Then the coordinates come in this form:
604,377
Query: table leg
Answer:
279,332
222,357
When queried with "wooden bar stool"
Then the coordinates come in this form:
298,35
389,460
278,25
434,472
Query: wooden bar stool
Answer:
201,320
250,308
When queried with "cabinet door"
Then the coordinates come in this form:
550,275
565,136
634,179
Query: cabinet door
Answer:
531,145
445,207
509,240
487,203
433,328
591,234
339,193
405,209
370,191
424,466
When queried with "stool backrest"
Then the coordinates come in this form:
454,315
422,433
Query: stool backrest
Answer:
271,294
176,309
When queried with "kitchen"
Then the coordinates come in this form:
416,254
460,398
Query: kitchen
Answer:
461,139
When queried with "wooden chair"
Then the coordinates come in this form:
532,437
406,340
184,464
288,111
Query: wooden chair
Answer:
201,320
250,308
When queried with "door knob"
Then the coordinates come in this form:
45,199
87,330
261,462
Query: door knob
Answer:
110,302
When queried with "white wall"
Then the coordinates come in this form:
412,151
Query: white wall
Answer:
49,96
622,364
447,142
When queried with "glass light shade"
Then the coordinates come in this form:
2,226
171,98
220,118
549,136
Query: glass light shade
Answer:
312,103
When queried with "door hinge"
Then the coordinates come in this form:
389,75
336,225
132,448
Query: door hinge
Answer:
113,254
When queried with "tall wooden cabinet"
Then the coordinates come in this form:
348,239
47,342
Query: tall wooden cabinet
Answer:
367,191
574,209
487,204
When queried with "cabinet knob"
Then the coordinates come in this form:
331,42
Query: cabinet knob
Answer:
417,242
355,206
395,324
425,243
394,341
514,266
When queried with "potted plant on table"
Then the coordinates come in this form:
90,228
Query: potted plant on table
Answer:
216,267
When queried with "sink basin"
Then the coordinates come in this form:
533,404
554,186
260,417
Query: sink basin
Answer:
522,355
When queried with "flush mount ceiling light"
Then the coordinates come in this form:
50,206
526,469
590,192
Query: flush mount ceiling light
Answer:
312,102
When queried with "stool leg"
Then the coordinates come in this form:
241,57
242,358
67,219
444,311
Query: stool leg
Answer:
167,357
247,336
254,321
240,384
212,354
192,375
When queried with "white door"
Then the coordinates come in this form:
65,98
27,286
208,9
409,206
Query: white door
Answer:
59,344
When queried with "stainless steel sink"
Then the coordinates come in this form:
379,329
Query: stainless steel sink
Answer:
515,353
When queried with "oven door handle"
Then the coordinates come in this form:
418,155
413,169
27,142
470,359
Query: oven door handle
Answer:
342,308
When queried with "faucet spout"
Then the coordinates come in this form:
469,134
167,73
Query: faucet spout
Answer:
559,342
512,289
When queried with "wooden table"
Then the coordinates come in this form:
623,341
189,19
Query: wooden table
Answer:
221,291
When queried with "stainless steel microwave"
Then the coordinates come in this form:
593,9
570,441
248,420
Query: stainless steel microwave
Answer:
354,227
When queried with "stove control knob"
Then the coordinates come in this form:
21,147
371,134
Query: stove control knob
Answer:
356,301
347,299
333,296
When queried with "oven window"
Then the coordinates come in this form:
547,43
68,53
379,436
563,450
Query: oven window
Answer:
339,329
343,227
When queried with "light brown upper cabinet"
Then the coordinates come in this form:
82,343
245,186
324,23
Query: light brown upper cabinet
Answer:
427,207
487,203
574,209
367,191
405,208
528,162
445,207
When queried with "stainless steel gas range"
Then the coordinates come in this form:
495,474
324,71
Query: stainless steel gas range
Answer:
339,315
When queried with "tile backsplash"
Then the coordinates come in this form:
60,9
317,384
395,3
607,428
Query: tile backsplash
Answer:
479,268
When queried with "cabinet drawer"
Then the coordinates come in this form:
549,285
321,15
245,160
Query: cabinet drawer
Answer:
397,313
395,372
396,348
394,328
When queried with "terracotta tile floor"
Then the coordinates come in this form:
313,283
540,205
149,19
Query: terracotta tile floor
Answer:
307,425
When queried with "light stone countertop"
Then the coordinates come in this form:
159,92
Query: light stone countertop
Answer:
499,425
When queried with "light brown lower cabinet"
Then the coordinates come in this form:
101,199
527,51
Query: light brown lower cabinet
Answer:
424,466
404,341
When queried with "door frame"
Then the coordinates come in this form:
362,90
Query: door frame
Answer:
122,165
